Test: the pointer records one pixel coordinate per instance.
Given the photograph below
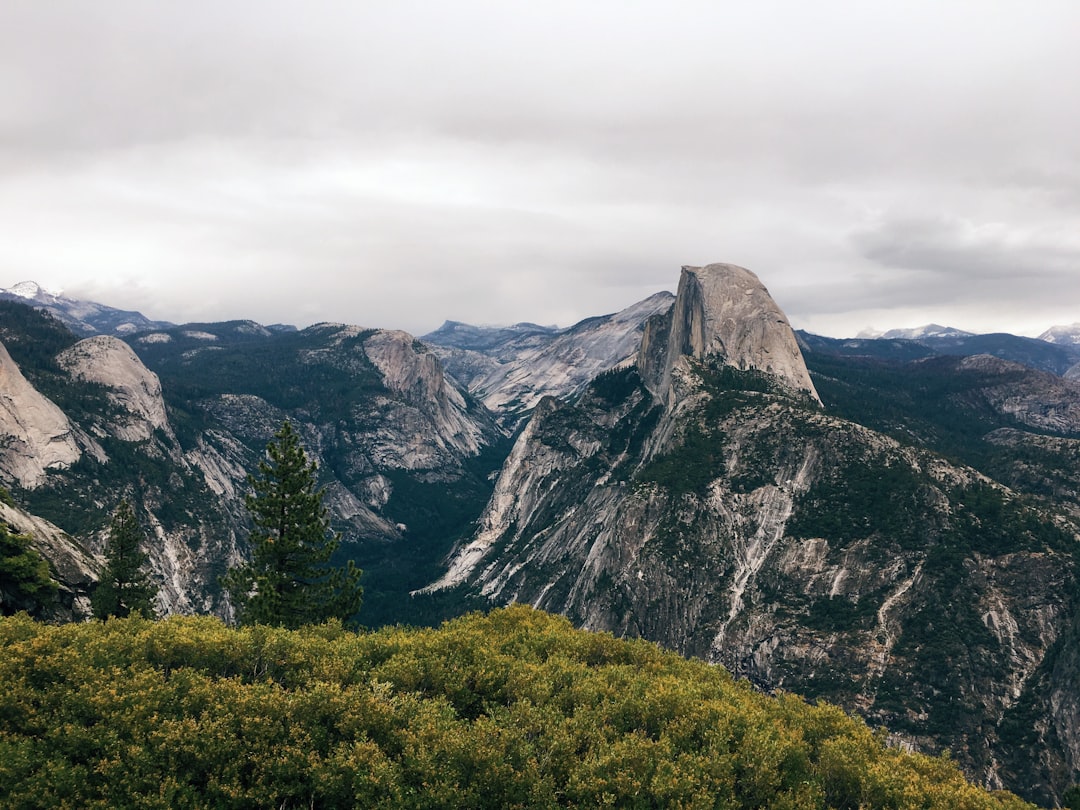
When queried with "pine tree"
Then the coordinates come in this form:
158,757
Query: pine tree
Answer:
124,589
24,575
289,581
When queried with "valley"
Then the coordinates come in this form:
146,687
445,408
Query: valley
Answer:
888,524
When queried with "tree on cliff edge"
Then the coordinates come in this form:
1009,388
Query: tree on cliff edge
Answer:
24,575
289,582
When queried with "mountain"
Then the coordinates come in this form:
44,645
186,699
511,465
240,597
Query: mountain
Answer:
1063,335
931,330
884,523
512,368
175,419
81,317
1032,352
73,567
704,500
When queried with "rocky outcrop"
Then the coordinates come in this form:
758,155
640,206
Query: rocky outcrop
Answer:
135,390
1034,398
71,566
705,501
35,435
414,374
722,310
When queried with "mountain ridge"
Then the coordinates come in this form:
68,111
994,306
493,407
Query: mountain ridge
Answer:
909,550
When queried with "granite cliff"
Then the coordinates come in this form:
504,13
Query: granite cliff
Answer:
703,499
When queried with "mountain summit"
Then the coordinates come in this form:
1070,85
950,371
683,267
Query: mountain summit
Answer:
722,310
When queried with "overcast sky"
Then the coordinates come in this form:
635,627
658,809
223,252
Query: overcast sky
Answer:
396,164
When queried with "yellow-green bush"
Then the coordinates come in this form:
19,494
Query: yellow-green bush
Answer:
512,709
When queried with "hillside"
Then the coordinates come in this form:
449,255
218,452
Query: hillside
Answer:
877,523
705,500
513,709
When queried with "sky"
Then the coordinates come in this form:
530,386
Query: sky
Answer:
396,164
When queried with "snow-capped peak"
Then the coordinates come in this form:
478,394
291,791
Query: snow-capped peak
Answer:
30,290
931,330
1062,335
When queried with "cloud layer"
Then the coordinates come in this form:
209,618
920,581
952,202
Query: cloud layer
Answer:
398,164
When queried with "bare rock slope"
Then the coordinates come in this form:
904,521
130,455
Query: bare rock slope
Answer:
36,434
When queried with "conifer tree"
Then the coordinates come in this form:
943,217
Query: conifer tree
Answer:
125,588
24,575
289,581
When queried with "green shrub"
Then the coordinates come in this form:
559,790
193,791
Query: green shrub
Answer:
512,709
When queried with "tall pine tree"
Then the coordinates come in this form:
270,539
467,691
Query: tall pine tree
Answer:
125,588
289,581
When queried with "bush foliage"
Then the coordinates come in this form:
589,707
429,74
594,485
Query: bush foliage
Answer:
512,709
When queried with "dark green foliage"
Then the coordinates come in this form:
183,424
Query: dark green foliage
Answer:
839,614
615,386
289,370
125,588
511,710
991,523
1023,730
24,574
863,497
289,582
323,376
933,405
696,462
33,339
699,458
80,498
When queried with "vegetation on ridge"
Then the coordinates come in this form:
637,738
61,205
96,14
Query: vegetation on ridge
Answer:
512,709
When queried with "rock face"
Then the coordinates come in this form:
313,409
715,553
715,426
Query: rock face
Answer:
35,435
399,446
71,565
511,369
415,376
110,362
722,310
402,451
1036,399
705,501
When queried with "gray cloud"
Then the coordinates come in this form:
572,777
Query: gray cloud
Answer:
396,165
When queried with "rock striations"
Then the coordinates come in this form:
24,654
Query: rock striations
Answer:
706,501
36,434
722,313
677,479
721,310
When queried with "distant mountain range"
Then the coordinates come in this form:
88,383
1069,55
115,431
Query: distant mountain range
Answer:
84,318
510,343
